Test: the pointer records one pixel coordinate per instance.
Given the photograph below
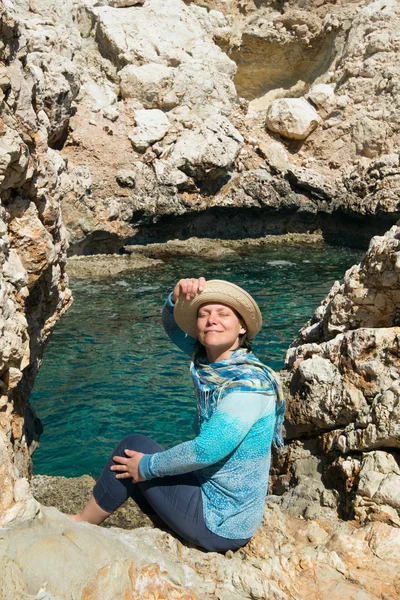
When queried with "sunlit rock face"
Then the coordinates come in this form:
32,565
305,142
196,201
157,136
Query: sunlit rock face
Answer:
36,90
344,388
309,91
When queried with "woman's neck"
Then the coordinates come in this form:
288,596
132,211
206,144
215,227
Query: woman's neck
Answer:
216,355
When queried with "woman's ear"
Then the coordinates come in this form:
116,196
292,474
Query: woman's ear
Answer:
242,329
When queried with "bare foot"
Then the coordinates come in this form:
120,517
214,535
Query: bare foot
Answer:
92,513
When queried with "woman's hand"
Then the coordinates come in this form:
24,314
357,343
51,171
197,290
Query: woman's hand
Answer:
128,467
188,288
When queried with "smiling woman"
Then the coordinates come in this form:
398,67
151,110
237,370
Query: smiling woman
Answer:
209,490
219,328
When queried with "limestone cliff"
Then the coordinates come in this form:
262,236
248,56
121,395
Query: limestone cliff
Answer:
33,285
234,118
343,412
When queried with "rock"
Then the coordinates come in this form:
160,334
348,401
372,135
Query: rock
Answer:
70,494
33,285
344,379
151,84
180,58
111,113
13,159
322,96
171,35
209,151
293,118
100,265
126,178
287,556
151,126
368,296
121,3
378,488
369,137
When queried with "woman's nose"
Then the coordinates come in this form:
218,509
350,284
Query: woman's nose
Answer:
212,318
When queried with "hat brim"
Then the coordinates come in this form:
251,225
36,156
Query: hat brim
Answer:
220,292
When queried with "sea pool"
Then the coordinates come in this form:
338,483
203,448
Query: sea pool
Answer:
109,369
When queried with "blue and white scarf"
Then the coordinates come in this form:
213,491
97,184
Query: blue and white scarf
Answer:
241,372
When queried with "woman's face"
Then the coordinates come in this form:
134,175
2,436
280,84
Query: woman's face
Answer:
218,327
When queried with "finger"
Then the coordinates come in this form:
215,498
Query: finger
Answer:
176,292
123,476
189,289
130,453
120,459
118,468
202,284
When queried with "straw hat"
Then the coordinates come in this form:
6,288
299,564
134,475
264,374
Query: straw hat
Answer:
220,292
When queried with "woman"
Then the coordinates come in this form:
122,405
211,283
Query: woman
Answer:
210,490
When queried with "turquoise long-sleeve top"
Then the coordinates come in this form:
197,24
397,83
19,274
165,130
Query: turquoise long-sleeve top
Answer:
230,455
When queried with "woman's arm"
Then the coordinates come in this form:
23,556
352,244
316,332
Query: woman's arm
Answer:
189,288
174,332
231,421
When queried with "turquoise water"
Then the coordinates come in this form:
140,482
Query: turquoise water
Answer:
109,369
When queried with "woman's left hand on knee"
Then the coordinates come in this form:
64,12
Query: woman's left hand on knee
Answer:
128,467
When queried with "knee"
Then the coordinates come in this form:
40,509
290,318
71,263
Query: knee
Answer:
134,441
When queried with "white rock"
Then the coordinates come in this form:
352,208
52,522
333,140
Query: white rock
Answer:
170,34
150,84
110,113
167,174
151,126
14,271
293,118
319,369
209,151
389,491
322,95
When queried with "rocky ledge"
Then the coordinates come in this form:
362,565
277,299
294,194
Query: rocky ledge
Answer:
289,558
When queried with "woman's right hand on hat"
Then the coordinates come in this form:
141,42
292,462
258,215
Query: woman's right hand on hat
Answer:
188,288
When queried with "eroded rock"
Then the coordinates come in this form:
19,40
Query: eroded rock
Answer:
343,386
33,284
293,118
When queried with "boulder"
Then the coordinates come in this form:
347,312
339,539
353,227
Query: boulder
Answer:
288,557
151,126
209,151
150,84
177,38
322,95
126,178
293,118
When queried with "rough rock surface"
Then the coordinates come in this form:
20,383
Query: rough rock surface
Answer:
288,558
225,60
343,386
293,118
36,91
